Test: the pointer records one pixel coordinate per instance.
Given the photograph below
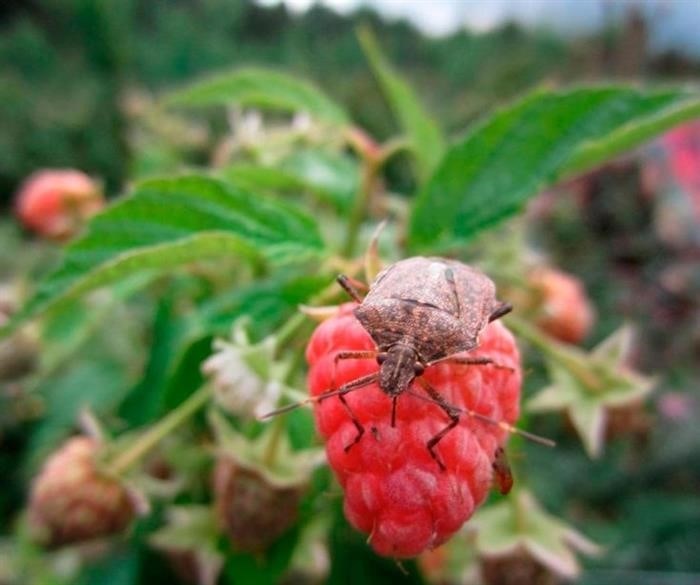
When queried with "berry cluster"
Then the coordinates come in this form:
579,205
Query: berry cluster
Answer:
394,489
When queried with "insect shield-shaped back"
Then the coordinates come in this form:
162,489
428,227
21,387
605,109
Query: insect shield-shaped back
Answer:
434,306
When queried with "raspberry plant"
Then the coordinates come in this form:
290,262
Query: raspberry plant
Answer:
293,193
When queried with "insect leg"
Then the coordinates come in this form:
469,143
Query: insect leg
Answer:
500,310
450,410
485,419
354,355
348,355
349,286
346,389
502,476
358,425
471,361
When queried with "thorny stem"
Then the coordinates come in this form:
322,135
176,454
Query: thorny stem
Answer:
542,342
148,440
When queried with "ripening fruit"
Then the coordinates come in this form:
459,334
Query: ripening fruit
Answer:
564,310
71,501
514,569
394,490
250,507
56,203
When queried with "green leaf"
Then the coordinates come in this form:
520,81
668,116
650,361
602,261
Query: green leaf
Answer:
265,569
97,384
587,385
261,88
266,303
170,222
118,568
491,173
143,401
426,139
519,524
257,177
331,177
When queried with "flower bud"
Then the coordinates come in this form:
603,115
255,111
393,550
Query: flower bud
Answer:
246,376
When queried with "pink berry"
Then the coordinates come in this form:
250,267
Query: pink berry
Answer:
56,203
564,310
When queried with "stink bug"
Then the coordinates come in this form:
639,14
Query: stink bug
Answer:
420,312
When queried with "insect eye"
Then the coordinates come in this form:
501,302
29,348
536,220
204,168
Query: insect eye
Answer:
381,358
418,368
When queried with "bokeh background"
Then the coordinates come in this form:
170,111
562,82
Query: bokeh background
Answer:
71,69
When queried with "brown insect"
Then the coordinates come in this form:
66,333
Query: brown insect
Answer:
421,312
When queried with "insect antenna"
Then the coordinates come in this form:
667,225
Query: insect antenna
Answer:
492,421
342,391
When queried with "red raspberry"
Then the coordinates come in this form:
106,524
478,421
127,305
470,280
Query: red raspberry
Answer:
394,489
71,501
565,311
56,203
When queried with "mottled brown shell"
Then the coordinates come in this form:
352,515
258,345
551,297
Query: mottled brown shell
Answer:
437,306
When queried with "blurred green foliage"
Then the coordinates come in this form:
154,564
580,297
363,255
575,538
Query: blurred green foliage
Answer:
68,65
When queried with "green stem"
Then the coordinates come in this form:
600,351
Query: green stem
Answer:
149,439
290,327
273,442
364,195
519,512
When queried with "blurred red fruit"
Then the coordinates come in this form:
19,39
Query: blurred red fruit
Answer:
682,146
71,501
56,203
564,310
394,490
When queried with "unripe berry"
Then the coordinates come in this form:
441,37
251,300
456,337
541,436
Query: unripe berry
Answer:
564,310
71,501
514,569
394,489
250,508
56,203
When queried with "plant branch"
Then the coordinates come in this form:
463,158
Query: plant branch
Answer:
149,439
